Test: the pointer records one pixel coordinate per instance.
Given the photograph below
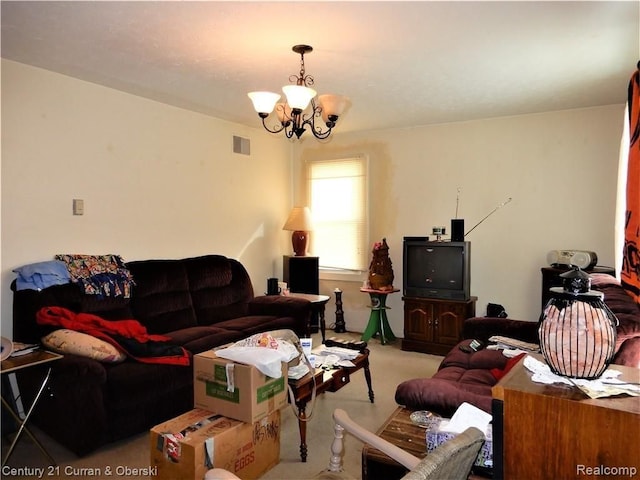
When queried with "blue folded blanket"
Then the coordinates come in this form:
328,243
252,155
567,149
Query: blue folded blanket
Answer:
37,276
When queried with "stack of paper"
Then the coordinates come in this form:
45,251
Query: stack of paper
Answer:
23,348
466,416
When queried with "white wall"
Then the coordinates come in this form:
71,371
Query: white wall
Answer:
157,181
559,168
161,182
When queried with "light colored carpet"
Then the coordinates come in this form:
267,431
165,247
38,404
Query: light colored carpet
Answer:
389,366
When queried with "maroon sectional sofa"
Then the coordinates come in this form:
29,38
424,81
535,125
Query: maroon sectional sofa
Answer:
469,377
199,303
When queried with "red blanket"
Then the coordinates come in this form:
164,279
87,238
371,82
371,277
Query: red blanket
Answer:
129,336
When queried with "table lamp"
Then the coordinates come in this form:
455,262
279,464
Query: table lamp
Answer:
300,223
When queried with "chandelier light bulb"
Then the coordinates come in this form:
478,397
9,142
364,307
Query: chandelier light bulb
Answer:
264,102
332,106
298,96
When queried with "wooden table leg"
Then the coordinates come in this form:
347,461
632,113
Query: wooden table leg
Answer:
302,426
378,322
323,324
23,423
367,376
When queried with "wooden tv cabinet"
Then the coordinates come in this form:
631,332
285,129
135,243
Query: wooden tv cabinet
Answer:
556,431
433,325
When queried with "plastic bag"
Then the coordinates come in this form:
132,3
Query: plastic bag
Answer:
263,351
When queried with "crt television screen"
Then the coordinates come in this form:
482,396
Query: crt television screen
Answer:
439,267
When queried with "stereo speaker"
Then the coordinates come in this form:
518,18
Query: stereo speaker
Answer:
457,230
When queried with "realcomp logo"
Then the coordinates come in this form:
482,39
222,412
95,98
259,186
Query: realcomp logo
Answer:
606,470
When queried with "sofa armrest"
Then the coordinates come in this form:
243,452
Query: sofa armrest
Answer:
481,328
283,306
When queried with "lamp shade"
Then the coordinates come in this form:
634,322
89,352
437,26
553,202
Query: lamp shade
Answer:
264,102
298,96
300,223
332,105
299,220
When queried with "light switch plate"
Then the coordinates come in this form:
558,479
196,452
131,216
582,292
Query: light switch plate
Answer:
78,206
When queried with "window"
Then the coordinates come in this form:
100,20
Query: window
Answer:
338,199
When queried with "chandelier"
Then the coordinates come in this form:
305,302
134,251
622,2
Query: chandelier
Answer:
300,109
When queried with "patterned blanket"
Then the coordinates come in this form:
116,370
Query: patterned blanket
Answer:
104,275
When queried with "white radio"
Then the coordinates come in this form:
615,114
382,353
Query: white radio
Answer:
579,258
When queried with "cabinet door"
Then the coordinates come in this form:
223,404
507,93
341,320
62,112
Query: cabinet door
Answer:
448,323
418,321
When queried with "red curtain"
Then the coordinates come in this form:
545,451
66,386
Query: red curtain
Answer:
630,272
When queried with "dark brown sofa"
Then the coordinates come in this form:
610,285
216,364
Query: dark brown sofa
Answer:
469,377
200,303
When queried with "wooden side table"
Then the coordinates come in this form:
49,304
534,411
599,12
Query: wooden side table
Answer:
12,365
556,431
378,322
318,303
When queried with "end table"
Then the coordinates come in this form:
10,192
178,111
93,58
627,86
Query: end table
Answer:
317,307
13,364
378,323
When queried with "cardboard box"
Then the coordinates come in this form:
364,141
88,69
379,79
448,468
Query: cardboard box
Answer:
187,446
485,456
236,390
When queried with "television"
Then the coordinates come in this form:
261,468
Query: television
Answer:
436,269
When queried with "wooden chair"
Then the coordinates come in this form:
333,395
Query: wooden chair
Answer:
451,460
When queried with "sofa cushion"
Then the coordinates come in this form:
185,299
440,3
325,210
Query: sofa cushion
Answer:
444,396
199,339
220,288
461,377
111,308
161,300
209,271
484,358
251,324
629,353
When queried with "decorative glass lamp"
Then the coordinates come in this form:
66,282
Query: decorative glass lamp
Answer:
577,330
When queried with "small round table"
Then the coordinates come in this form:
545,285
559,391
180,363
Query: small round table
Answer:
317,308
378,323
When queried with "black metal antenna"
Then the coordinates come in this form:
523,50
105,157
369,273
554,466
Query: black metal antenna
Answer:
490,213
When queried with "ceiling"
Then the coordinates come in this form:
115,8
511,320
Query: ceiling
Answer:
401,64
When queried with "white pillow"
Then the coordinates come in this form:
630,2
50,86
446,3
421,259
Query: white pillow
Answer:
78,343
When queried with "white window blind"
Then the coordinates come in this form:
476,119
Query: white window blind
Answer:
338,191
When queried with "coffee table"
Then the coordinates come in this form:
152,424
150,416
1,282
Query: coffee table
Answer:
325,381
399,430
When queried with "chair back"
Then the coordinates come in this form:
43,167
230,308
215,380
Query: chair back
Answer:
451,460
